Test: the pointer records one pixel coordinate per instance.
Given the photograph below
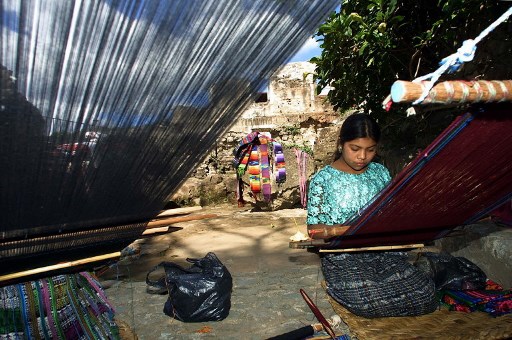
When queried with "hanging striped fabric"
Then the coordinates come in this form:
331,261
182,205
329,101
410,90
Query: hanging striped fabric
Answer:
280,172
254,170
302,166
265,169
254,154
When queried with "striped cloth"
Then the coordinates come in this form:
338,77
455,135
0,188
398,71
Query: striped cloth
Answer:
71,306
253,155
492,300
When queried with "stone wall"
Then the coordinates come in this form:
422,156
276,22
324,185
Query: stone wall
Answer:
294,116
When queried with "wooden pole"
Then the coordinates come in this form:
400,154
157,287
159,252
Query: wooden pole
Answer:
169,221
179,211
382,248
155,230
307,244
322,231
63,265
453,91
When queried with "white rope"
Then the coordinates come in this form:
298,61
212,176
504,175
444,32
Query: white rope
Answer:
465,53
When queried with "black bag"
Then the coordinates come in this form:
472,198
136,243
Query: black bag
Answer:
199,293
450,272
379,284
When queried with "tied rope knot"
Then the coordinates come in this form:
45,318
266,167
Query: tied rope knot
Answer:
464,53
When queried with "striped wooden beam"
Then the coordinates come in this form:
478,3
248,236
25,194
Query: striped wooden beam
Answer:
456,91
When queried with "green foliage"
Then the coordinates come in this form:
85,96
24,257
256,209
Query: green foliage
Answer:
306,148
293,130
372,43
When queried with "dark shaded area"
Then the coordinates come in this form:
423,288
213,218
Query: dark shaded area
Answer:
107,106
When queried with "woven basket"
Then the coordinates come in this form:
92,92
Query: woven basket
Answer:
441,324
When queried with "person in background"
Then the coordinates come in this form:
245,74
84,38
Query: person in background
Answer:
344,187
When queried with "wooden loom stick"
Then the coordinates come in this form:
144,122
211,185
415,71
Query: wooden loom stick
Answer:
156,230
168,221
59,266
456,91
322,231
348,250
179,211
319,316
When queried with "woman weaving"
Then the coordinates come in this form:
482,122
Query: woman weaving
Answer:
341,189
368,284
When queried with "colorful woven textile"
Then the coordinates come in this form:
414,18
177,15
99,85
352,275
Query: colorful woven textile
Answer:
493,300
279,163
265,169
70,306
254,154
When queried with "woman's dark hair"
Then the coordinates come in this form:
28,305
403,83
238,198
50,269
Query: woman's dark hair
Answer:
357,125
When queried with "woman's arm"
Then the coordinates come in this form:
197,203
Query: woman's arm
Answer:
316,199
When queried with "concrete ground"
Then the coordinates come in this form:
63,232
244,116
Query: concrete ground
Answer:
267,276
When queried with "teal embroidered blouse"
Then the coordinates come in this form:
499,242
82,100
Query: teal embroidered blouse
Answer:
334,196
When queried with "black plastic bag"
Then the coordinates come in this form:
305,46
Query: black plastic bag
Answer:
376,285
450,272
199,293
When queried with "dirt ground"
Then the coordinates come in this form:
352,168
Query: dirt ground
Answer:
267,276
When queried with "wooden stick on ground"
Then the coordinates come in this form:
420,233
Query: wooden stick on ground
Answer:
156,230
348,250
169,221
58,266
179,211
453,91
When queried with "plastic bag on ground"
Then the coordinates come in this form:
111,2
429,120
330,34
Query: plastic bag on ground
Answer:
450,272
199,293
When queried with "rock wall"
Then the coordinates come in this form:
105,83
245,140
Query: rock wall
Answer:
295,117
485,244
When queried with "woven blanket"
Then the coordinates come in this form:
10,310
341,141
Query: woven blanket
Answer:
71,306
494,302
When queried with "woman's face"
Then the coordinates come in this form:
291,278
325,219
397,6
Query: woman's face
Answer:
358,153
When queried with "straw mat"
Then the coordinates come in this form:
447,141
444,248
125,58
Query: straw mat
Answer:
125,331
441,324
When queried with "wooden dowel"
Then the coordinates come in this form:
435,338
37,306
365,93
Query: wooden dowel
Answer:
456,91
63,265
306,244
321,231
169,221
348,250
155,231
179,211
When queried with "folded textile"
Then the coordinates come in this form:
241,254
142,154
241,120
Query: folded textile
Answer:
496,302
